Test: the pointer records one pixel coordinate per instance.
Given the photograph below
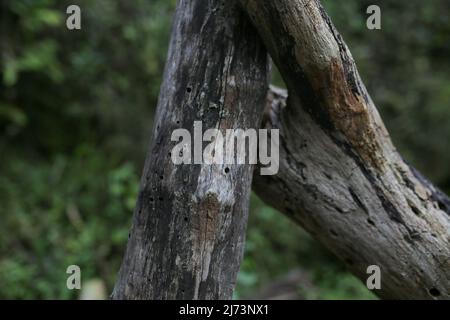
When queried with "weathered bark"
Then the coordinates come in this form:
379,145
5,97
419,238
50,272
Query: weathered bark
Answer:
189,223
340,176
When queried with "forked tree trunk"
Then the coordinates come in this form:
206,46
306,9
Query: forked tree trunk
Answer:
340,176
189,224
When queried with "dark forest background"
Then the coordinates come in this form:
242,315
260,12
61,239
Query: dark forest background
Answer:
76,110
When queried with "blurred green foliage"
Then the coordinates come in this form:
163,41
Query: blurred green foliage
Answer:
76,110
73,210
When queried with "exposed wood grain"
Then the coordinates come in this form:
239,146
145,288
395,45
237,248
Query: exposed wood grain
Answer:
340,175
189,224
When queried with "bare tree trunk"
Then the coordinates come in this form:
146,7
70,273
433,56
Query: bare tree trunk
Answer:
189,224
340,175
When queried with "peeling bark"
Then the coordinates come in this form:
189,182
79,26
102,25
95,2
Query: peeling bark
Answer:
189,224
340,176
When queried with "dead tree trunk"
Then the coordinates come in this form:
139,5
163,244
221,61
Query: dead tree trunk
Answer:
340,175
189,224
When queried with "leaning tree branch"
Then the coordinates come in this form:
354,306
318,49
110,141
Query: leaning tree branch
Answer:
189,224
340,176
